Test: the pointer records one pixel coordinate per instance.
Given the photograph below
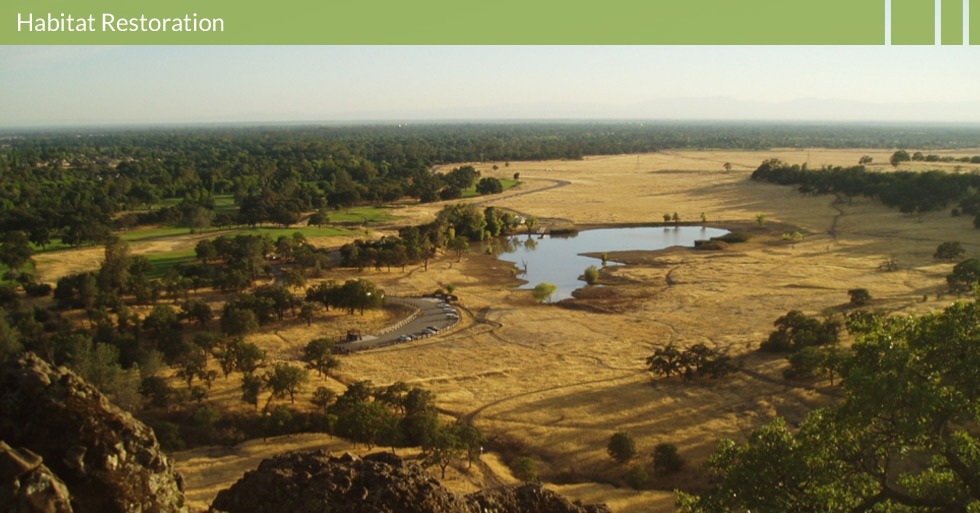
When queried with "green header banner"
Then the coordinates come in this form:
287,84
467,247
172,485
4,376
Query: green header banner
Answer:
435,22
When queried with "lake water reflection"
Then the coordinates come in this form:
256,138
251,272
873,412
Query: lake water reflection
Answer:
558,260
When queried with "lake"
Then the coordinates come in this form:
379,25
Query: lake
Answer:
558,259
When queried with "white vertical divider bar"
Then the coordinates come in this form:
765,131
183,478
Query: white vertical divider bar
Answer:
888,22
966,22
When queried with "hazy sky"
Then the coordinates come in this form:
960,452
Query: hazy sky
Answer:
144,84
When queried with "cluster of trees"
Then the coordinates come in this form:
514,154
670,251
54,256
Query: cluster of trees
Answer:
697,360
124,354
666,459
399,416
902,439
908,191
903,156
811,344
453,229
453,184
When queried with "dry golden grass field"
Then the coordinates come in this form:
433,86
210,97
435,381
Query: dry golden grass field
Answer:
561,379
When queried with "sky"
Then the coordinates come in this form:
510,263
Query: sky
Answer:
43,86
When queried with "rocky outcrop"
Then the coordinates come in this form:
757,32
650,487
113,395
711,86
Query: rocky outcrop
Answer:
528,499
27,486
108,461
380,483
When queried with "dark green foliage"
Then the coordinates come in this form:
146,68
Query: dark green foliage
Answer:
910,192
698,360
284,379
157,391
442,448
795,330
666,460
322,397
805,362
733,237
169,436
901,439
354,295
237,322
637,477
965,275
949,251
526,469
859,297
621,447
666,360
15,250
462,177
318,355
900,156
489,186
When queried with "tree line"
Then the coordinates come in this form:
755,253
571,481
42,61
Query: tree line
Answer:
74,185
910,192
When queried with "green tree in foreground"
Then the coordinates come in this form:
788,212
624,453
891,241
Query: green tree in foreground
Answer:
621,447
902,439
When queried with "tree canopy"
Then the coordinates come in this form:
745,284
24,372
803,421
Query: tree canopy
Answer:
903,438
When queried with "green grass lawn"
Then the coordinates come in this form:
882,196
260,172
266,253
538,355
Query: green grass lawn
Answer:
308,231
222,203
149,233
362,215
164,261
506,182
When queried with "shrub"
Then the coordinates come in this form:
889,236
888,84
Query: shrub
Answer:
949,251
804,363
710,245
592,275
666,460
621,447
859,297
168,434
637,477
566,233
526,470
543,291
37,289
733,237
